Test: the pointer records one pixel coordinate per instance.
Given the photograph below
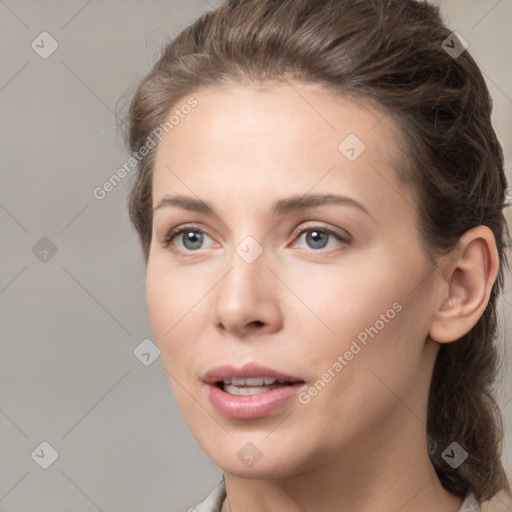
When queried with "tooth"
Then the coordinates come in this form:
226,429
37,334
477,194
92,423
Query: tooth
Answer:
233,390
254,381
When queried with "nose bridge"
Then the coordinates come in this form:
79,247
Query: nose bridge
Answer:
244,296
247,257
248,273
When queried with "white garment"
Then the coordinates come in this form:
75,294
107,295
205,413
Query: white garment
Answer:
213,502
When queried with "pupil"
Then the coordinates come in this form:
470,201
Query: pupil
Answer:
314,236
193,240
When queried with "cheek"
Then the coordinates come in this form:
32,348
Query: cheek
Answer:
169,295
166,306
356,379
341,302
177,312
383,360
159,300
368,316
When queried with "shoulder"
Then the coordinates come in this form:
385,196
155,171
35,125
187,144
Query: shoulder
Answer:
213,502
500,502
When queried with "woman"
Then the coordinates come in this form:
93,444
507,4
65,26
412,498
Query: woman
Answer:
319,202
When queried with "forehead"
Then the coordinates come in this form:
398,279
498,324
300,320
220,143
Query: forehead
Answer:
293,111
280,138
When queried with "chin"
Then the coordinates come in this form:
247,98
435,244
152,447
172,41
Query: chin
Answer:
256,460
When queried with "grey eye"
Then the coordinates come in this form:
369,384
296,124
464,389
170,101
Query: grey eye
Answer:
317,239
191,239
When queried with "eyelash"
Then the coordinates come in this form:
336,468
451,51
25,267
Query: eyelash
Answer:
173,233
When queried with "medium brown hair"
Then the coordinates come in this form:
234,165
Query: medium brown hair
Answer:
387,52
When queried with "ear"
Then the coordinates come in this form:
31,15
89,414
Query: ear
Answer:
467,278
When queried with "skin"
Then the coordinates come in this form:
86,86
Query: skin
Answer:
360,444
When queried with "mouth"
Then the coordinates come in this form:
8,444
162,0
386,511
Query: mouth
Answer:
252,385
250,392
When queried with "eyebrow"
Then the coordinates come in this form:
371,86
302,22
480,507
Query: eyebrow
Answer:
280,207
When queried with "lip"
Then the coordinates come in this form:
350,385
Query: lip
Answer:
249,406
247,371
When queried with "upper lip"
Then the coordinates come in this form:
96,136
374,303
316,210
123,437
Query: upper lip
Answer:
247,371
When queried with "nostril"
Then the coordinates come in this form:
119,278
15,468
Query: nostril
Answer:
259,323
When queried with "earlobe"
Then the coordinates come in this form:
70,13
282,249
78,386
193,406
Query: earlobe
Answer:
469,274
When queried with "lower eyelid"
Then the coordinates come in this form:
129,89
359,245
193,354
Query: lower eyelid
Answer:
332,246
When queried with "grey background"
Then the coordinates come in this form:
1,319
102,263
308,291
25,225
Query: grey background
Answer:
70,324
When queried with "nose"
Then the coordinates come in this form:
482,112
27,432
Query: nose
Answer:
246,299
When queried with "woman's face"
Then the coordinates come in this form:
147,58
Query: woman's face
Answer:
334,295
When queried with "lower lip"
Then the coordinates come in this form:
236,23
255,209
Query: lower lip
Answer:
248,407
